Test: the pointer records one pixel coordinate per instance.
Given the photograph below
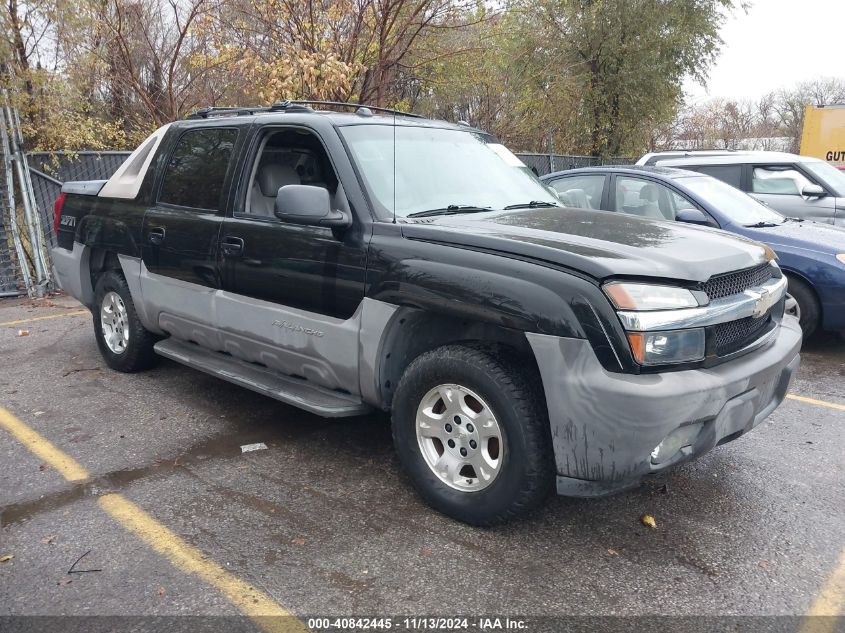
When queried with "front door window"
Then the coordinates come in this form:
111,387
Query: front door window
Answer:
649,199
787,182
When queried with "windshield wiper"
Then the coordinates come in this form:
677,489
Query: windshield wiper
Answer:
452,209
534,204
760,225
789,219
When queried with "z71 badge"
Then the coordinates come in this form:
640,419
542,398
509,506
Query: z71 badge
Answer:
68,220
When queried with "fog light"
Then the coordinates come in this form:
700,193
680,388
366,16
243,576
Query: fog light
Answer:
674,346
675,441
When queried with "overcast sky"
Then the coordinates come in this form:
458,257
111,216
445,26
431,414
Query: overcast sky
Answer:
775,45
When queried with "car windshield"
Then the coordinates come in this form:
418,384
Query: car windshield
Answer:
436,169
825,171
736,205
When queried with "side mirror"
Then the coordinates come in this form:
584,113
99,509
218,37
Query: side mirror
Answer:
693,216
813,191
309,205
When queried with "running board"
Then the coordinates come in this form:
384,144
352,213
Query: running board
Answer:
293,391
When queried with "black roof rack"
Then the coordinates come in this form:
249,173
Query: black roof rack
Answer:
347,104
208,112
297,105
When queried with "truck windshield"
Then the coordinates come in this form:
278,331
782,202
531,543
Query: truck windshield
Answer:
437,169
833,177
739,207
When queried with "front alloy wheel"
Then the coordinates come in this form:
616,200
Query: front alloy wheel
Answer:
459,437
471,431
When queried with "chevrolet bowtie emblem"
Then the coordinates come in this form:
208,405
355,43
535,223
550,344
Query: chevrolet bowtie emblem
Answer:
764,302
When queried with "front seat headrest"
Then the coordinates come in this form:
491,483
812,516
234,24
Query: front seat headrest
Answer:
649,193
273,176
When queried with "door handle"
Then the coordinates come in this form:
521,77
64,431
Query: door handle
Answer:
232,246
156,235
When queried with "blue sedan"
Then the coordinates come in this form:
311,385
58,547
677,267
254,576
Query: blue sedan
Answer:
811,255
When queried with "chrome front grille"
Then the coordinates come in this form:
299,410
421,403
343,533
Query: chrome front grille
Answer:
734,283
731,337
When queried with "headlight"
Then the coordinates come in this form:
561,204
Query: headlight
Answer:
841,258
632,296
770,254
673,346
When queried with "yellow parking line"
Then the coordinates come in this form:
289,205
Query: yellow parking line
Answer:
67,466
821,403
189,559
44,318
829,602
267,614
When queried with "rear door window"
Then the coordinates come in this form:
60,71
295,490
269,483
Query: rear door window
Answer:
197,168
580,191
731,174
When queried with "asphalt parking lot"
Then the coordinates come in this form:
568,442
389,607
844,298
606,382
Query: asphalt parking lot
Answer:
144,478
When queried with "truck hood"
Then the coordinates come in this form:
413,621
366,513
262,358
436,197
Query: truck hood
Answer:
808,236
598,243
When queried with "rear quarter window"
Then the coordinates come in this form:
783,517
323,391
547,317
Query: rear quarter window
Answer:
197,168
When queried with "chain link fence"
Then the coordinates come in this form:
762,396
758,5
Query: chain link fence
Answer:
9,273
542,164
51,169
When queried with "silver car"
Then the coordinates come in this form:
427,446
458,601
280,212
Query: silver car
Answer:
796,186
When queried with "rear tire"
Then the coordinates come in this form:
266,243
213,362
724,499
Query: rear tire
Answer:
808,305
470,395
124,343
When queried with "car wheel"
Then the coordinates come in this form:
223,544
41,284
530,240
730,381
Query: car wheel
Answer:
124,343
471,430
792,308
807,305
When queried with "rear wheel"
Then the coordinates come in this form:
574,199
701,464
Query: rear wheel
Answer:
124,343
471,430
806,307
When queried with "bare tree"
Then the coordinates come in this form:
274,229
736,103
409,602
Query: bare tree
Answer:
790,104
148,48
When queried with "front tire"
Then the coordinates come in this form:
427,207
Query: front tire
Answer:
471,429
808,311
124,343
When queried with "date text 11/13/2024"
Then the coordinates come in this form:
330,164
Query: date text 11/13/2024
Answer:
418,624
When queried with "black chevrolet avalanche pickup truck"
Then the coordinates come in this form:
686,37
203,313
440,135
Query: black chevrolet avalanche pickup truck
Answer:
343,262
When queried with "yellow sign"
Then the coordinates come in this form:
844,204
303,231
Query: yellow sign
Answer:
824,133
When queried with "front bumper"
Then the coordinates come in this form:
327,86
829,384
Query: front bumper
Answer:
605,426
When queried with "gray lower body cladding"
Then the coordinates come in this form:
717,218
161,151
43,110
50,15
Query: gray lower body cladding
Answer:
330,353
606,427
70,270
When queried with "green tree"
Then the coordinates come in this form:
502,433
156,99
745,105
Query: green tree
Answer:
626,59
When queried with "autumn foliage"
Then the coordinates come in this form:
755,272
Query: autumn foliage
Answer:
582,76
